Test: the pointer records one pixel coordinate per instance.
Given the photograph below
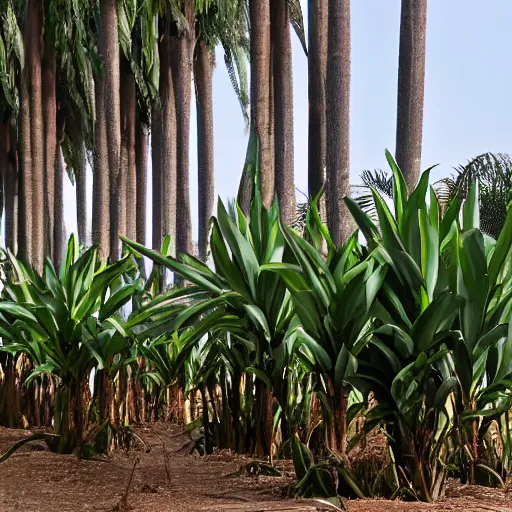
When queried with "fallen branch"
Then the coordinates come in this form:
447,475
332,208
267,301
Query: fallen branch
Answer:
21,442
122,506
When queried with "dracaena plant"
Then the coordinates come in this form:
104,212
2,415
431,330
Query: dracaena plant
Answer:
444,311
334,299
481,336
236,298
65,323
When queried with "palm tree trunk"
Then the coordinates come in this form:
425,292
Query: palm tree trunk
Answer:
338,120
58,219
34,26
141,164
81,195
156,163
4,163
181,61
259,12
203,75
25,173
129,113
168,153
10,173
101,178
109,46
317,69
50,140
283,109
411,89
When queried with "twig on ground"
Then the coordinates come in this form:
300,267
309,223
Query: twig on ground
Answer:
122,506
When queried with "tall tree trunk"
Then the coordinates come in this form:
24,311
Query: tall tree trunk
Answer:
34,27
259,12
156,164
203,75
181,61
129,114
58,219
50,140
141,157
283,109
109,46
317,69
169,145
338,120
25,176
101,178
10,172
411,89
4,162
81,195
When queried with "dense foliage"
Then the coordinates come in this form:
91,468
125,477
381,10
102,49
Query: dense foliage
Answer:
289,345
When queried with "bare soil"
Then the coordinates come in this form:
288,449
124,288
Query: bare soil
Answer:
35,480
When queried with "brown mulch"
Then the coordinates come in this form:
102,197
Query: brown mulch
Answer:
35,480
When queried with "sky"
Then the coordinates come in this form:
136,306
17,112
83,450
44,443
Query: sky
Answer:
468,103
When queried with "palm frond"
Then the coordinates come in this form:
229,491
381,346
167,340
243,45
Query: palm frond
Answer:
493,171
297,22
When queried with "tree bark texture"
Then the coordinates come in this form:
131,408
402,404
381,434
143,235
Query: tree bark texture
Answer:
203,75
259,12
181,60
101,178
156,159
109,47
129,116
4,161
338,120
81,196
317,69
283,109
50,140
411,89
34,26
169,145
25,176
141,164
59,241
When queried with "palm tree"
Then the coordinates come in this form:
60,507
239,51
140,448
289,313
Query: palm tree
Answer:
109,46
493,172
411,87
35,180
224,23
259,14
283,108
317,69
49,99
338,119
141,165
74,44
204,63
183,37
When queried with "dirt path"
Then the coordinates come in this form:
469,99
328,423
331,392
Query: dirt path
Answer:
34,480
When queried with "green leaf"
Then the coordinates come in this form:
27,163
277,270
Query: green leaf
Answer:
399,188
471,210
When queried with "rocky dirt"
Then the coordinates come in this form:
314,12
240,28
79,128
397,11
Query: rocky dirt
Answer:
35,480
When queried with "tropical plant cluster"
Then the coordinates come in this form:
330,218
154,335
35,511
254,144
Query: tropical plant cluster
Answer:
285,344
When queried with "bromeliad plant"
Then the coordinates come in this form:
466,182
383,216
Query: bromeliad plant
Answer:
65,323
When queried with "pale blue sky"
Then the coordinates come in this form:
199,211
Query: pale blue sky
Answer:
467,94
